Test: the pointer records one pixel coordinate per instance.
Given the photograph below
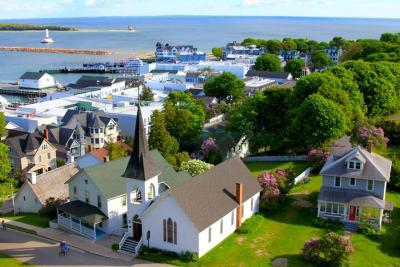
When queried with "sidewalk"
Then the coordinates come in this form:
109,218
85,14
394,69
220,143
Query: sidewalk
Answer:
75,241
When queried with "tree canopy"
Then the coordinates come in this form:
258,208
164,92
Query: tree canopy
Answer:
321,59
295,67
225,86
217,52
147,94
269,62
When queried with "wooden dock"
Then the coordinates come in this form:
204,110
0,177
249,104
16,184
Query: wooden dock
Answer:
54,50
8,89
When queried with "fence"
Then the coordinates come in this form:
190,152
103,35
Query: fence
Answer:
276,158
303,175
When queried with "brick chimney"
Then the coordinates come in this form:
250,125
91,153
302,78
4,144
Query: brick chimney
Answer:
46,134
106,158
369,147
239,199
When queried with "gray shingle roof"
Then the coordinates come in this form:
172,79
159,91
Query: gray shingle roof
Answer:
209,196
375,166
268,74
24,143
85,211
32,75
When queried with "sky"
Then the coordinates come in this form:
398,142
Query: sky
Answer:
92,8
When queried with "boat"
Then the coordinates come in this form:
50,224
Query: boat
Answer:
47,39
130,28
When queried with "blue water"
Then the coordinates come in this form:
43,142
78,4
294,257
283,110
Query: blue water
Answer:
204,32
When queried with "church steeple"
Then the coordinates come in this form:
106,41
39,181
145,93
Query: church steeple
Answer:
140,166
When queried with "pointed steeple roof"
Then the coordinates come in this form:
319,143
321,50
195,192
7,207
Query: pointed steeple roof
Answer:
140,166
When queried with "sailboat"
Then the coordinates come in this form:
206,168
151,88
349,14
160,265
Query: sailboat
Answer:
130,28
47,39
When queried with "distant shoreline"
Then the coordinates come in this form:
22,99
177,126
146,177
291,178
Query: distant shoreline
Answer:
32,27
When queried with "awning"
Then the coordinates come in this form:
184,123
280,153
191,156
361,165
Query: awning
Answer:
372,202
83,211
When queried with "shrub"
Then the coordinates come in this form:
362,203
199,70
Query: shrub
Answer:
317,158
374,134
50,208
331,225
188,256
392,131
331,249
115,247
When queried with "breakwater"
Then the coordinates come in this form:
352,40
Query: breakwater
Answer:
54,50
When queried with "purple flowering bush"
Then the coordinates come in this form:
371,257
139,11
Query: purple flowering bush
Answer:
270,186
331,249
317,158
209,152
374,134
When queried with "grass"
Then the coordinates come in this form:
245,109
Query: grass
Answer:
282,234
6,261
257,168
29,218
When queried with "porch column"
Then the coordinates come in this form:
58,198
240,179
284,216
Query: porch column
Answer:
380,218
319,205
94,229
80,225
345,212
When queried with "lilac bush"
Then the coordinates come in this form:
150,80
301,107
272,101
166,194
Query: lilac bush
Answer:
374,134
208,145
317,158
270,186
311,249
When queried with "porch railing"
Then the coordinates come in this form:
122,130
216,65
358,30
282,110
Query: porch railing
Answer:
138,246
68,223
124,237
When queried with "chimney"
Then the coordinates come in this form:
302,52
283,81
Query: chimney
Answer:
31,177
239,199
369,147
106,158
90,148
46,134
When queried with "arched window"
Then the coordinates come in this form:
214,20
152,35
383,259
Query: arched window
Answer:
170,231
136,196
152,191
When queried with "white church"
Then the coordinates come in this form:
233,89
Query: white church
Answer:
159,207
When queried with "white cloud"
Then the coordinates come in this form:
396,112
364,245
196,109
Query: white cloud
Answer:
90,2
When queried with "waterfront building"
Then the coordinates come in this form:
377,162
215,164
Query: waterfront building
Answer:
235,50
36,81
334,54
175,53
280,77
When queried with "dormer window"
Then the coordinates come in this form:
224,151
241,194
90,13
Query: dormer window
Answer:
354,165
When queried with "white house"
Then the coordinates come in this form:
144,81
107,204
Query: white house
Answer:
38,188
36,80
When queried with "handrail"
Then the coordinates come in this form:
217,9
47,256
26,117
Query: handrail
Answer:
124,237
137,248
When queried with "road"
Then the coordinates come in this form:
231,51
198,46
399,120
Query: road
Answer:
42,253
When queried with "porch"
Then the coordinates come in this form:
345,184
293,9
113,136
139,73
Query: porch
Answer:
81,218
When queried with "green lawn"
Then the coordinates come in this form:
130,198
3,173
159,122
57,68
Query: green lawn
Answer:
6,261
257,168
282,234
29,218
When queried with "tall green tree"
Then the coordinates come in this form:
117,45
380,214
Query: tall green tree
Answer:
289,44
268,62
321,59
159,137
274,46
217,52
2,123
5,166
318,122
226,86
147,94
295,67
116,151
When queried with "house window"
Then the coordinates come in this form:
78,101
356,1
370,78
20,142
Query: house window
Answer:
232,217
124,201
86,196
49,155
170,231
329,207
24,198
124,220
30,160
335,208
337,181
351,165
370,185
101,130
358,165
101,140
152,191
322,206
44,147
209,234
221,226
40,158
352,181
99,201
86,181
75,192
136,196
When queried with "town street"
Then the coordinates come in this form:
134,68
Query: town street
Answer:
42,253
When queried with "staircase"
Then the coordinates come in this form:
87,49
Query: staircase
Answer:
131,246
350,226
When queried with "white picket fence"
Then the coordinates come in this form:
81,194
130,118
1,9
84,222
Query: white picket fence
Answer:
303,175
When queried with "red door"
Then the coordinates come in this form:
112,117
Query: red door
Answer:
352,213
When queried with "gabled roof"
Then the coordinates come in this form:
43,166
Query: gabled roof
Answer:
140,166
209,196
52,183
24,143
268,74
32,75
374,166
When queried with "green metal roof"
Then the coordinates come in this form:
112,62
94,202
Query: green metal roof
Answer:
108,176
84,211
